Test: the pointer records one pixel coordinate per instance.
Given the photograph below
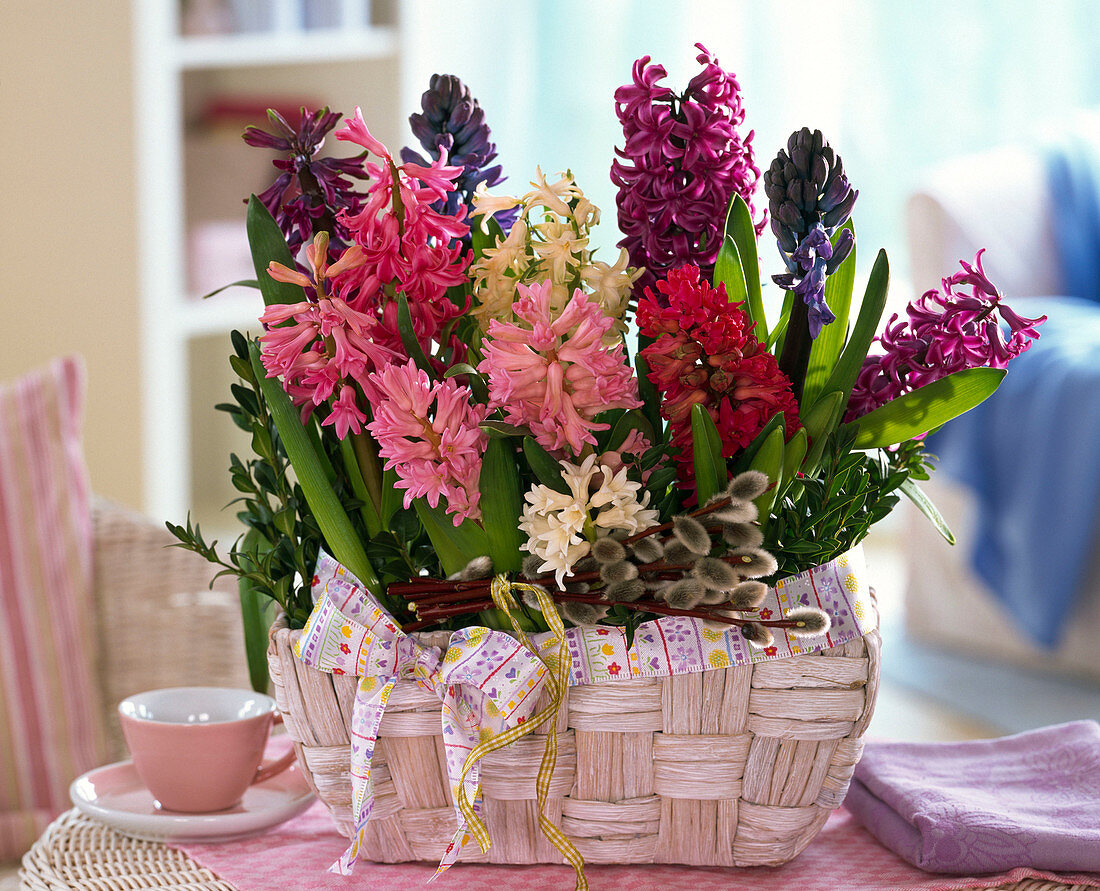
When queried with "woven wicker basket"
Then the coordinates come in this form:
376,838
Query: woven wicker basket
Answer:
732,767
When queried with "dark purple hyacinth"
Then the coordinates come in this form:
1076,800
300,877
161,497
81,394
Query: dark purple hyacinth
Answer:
310,193
809,197
944,333
453,121
683,160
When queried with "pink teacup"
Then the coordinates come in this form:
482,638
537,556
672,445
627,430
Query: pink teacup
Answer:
198,749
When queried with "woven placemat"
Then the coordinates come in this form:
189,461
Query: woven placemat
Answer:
76,852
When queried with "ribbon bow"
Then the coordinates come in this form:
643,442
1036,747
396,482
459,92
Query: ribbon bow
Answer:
487,681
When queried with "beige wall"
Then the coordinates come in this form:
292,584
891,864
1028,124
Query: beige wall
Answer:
67,248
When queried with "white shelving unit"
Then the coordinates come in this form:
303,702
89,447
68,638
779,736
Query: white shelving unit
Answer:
171,318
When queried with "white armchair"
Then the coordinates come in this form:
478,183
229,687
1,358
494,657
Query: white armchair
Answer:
998,200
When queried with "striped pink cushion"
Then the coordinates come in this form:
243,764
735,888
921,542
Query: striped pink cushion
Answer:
51,726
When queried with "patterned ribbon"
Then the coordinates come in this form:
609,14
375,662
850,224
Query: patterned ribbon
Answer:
487,681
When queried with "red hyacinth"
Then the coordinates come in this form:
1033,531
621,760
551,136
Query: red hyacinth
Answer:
704,352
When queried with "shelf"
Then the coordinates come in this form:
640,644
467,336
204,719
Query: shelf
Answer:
285,47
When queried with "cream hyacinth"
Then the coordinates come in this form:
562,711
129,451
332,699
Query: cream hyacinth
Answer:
559,526
548,242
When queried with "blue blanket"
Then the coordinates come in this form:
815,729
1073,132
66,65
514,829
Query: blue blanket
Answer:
1031,454
1073,176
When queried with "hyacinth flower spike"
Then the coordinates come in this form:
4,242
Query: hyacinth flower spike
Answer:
452,125
310,193
809,198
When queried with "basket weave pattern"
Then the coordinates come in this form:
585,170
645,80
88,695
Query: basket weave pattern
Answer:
732,767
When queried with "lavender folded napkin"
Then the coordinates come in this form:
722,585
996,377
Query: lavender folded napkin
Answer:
988,805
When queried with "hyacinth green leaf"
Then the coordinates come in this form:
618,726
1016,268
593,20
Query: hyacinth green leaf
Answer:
926,408
479,239
744,460
728,274
925,506
367,511
243,283
794,453
544,466
454,545
255,614
820,420
629,420
769,460
474,380
779,335
740,228
265,240
846,370
392,497
706,446
501,504
826,348
408,336
335,526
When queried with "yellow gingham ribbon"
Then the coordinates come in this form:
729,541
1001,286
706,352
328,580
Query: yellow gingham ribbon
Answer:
502,591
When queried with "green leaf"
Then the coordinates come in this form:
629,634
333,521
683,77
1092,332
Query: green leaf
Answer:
794,453
367,511
706,445
847,368
255,616
925,506
544,466
629,420
392,497
728,274
408,336
826,348
243,283
740,228
265,239
779,335
745,459
925,408
501,429
769,460
454,545
480,240
475,381
326,508
820,420
501,504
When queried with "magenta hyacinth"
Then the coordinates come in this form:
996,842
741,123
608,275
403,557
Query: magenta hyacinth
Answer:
944,333
683,160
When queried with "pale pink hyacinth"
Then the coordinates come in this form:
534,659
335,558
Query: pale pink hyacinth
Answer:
552,372
430,434
319,346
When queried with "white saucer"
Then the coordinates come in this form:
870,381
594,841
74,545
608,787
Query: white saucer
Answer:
115,795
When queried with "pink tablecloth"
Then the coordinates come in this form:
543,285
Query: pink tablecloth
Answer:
296,855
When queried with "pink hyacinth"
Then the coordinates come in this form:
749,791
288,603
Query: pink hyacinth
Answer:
944,333
320,345
430,434
408,246
553,375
